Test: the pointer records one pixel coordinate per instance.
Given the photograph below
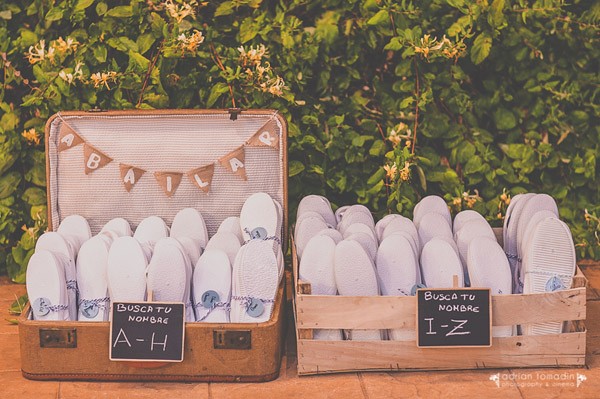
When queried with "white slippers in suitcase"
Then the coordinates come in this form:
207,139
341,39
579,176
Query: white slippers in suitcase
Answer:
46,286
212,287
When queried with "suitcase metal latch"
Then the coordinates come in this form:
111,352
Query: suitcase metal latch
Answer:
226,339
58,338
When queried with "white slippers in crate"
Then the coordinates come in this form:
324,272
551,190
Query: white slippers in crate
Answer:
549,263
355,276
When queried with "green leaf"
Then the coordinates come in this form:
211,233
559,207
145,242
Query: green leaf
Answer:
248,30
144,42
295,167
83,4
379,18
217,91
504,119
497,12
327,29
54,14
101,8
34,196
225,8
9,183
120,12
481,48
376,177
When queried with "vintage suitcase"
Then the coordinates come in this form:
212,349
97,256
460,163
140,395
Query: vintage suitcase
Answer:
388,312
162,143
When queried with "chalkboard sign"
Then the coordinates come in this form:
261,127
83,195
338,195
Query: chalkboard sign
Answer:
147,331
454,317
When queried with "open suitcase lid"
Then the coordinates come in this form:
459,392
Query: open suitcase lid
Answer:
173,141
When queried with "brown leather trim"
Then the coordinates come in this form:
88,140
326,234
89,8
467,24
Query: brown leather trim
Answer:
151,377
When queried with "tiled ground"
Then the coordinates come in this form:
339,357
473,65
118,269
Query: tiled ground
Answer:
464,384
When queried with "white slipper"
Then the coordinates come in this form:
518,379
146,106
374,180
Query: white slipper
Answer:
465,216
318,204
383,223
331,233
433,225
46,287
439,263
65,252
307,215
212,287
126,270
118,225
76,230
356,214
167,276
189,223
339,213
259,217
397,273
355,276
535,204
151,230
254,283
192,249
360,228
431,203
511,224
531,224
470,230
316,267
226,242
307,229
402,224
414,246
92,280
232,225
549,263
368,243
489,268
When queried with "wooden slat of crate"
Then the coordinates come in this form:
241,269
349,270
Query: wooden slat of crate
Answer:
389,312
560,350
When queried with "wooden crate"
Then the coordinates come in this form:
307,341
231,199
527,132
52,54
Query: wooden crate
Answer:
390,312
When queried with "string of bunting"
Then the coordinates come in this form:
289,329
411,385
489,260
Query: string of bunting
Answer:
201,177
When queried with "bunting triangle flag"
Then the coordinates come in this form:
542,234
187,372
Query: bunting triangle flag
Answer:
235,162
68,138
202,176
130,175
266,136
94,159
168,181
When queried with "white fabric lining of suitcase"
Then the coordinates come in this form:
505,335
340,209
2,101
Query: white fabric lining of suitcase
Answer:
101,196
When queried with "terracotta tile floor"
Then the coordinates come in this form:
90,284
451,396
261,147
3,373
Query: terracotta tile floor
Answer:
464,384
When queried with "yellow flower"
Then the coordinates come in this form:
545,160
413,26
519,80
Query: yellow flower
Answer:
103,78
31,136
394,138
405,172
69,77
39,53
190,43
276,87
180,12
63,46
391,170
252,55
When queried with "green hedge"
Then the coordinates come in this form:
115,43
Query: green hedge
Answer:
473,100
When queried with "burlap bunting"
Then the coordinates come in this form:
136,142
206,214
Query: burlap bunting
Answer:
201,177
235,162
130,175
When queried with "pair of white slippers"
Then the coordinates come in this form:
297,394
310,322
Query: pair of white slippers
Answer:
51,272
258,265
440,259
541,250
